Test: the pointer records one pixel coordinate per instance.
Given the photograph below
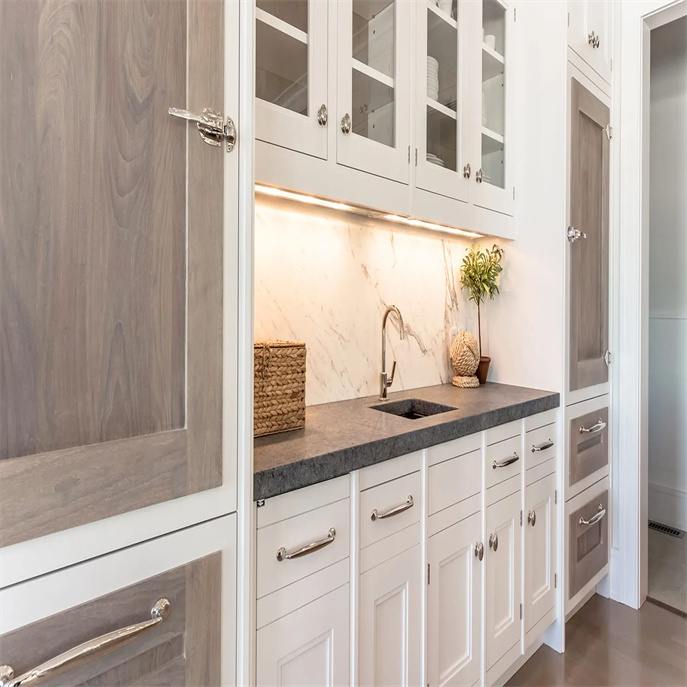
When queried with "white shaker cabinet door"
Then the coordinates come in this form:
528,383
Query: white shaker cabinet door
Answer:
590,33
503,591
454,610
390,622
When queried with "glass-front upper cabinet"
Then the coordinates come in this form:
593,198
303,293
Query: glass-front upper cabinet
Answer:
493,186
291,107
442,134
373,86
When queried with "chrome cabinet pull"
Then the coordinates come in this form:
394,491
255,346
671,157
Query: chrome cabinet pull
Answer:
591,39
575,234
505,463
479,550
393,511
466,171
542,447
594,428
478,176
105,643
283,555
592,521
322,116
532,518
346,123
494,541
211,126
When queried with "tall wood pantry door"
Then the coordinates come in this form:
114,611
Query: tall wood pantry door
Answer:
589,224
111,259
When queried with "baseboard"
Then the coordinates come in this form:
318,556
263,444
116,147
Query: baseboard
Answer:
668,505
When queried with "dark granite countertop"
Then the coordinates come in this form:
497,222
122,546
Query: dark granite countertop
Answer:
345,436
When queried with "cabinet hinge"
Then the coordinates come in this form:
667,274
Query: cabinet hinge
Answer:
429,576
611,64
513,192
555,497
416,157
260,503
520,518
609,132
555,580
408,154
568,19
520,611
515,14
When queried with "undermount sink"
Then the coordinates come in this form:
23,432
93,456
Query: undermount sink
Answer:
412,408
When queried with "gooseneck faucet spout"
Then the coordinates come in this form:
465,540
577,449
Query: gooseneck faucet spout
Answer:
387,380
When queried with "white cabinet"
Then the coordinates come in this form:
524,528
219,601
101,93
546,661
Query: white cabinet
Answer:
454,612
308,647
540,552
291,74
590,33
373,87
389,627
503,554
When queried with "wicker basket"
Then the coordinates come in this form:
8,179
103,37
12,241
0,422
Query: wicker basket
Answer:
279,369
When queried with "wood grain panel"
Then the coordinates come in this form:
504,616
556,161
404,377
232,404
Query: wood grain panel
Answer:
111,229
169,654
589,257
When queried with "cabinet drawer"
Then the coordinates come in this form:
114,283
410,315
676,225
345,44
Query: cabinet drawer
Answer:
540,446
503,460
588,539
453,481
588,444
297,547
386,508
178,590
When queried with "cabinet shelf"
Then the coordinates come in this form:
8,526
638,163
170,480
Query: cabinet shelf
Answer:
443,16
492,63
372,73
491,141
446,111
281,26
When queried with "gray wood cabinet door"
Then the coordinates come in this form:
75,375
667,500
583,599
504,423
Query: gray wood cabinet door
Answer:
111,258
589,206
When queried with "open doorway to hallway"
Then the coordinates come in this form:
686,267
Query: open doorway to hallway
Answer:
668,317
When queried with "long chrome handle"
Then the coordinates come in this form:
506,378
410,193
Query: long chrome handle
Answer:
107,642
594,428
505,463
592,521
211,126
494,541
532,518
479,550
283,555
393,511
542,447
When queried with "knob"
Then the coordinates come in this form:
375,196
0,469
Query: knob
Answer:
322,116
346,123
478,176
479,550
532,518
591,39
466,171
494,541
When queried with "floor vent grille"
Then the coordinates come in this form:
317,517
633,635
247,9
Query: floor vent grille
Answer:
672,531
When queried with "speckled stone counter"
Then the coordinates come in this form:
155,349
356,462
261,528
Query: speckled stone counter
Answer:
345,436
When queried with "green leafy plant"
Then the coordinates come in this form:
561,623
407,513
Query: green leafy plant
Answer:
479,274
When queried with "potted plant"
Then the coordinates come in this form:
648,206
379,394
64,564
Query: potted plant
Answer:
479,274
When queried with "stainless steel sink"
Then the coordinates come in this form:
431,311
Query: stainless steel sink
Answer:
412,408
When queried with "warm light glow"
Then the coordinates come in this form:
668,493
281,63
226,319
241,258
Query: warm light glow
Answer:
333,205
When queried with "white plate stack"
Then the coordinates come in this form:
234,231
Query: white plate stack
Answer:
432,78
435,160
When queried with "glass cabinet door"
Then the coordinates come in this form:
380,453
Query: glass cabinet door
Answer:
291,74
493,187
373,86
442,157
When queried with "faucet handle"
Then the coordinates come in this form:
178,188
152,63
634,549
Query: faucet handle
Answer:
390,379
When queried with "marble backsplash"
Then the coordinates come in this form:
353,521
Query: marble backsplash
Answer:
326,277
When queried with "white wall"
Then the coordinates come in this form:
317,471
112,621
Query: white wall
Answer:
668,276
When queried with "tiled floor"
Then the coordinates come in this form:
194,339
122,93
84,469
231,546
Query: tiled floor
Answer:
608,643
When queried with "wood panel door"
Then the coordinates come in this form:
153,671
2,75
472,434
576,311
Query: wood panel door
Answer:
503,553
111,259
176,594
389,626
589,216
454,611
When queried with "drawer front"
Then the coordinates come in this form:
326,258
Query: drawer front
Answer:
178,613
540,446
588,444
588,552
297,547
453,481
503,460
386,509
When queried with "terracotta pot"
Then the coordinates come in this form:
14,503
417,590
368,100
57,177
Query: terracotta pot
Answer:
483,369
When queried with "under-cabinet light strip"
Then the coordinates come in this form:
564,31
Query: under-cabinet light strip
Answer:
343,207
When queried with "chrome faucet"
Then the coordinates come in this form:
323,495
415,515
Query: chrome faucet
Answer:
385,381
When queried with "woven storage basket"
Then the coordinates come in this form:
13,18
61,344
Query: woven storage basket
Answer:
279,369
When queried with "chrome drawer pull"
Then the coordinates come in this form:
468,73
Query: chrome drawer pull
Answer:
532,518
592,521
103,644
283,555
542,447
594,428
494,542
505,463
479,550
394,511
